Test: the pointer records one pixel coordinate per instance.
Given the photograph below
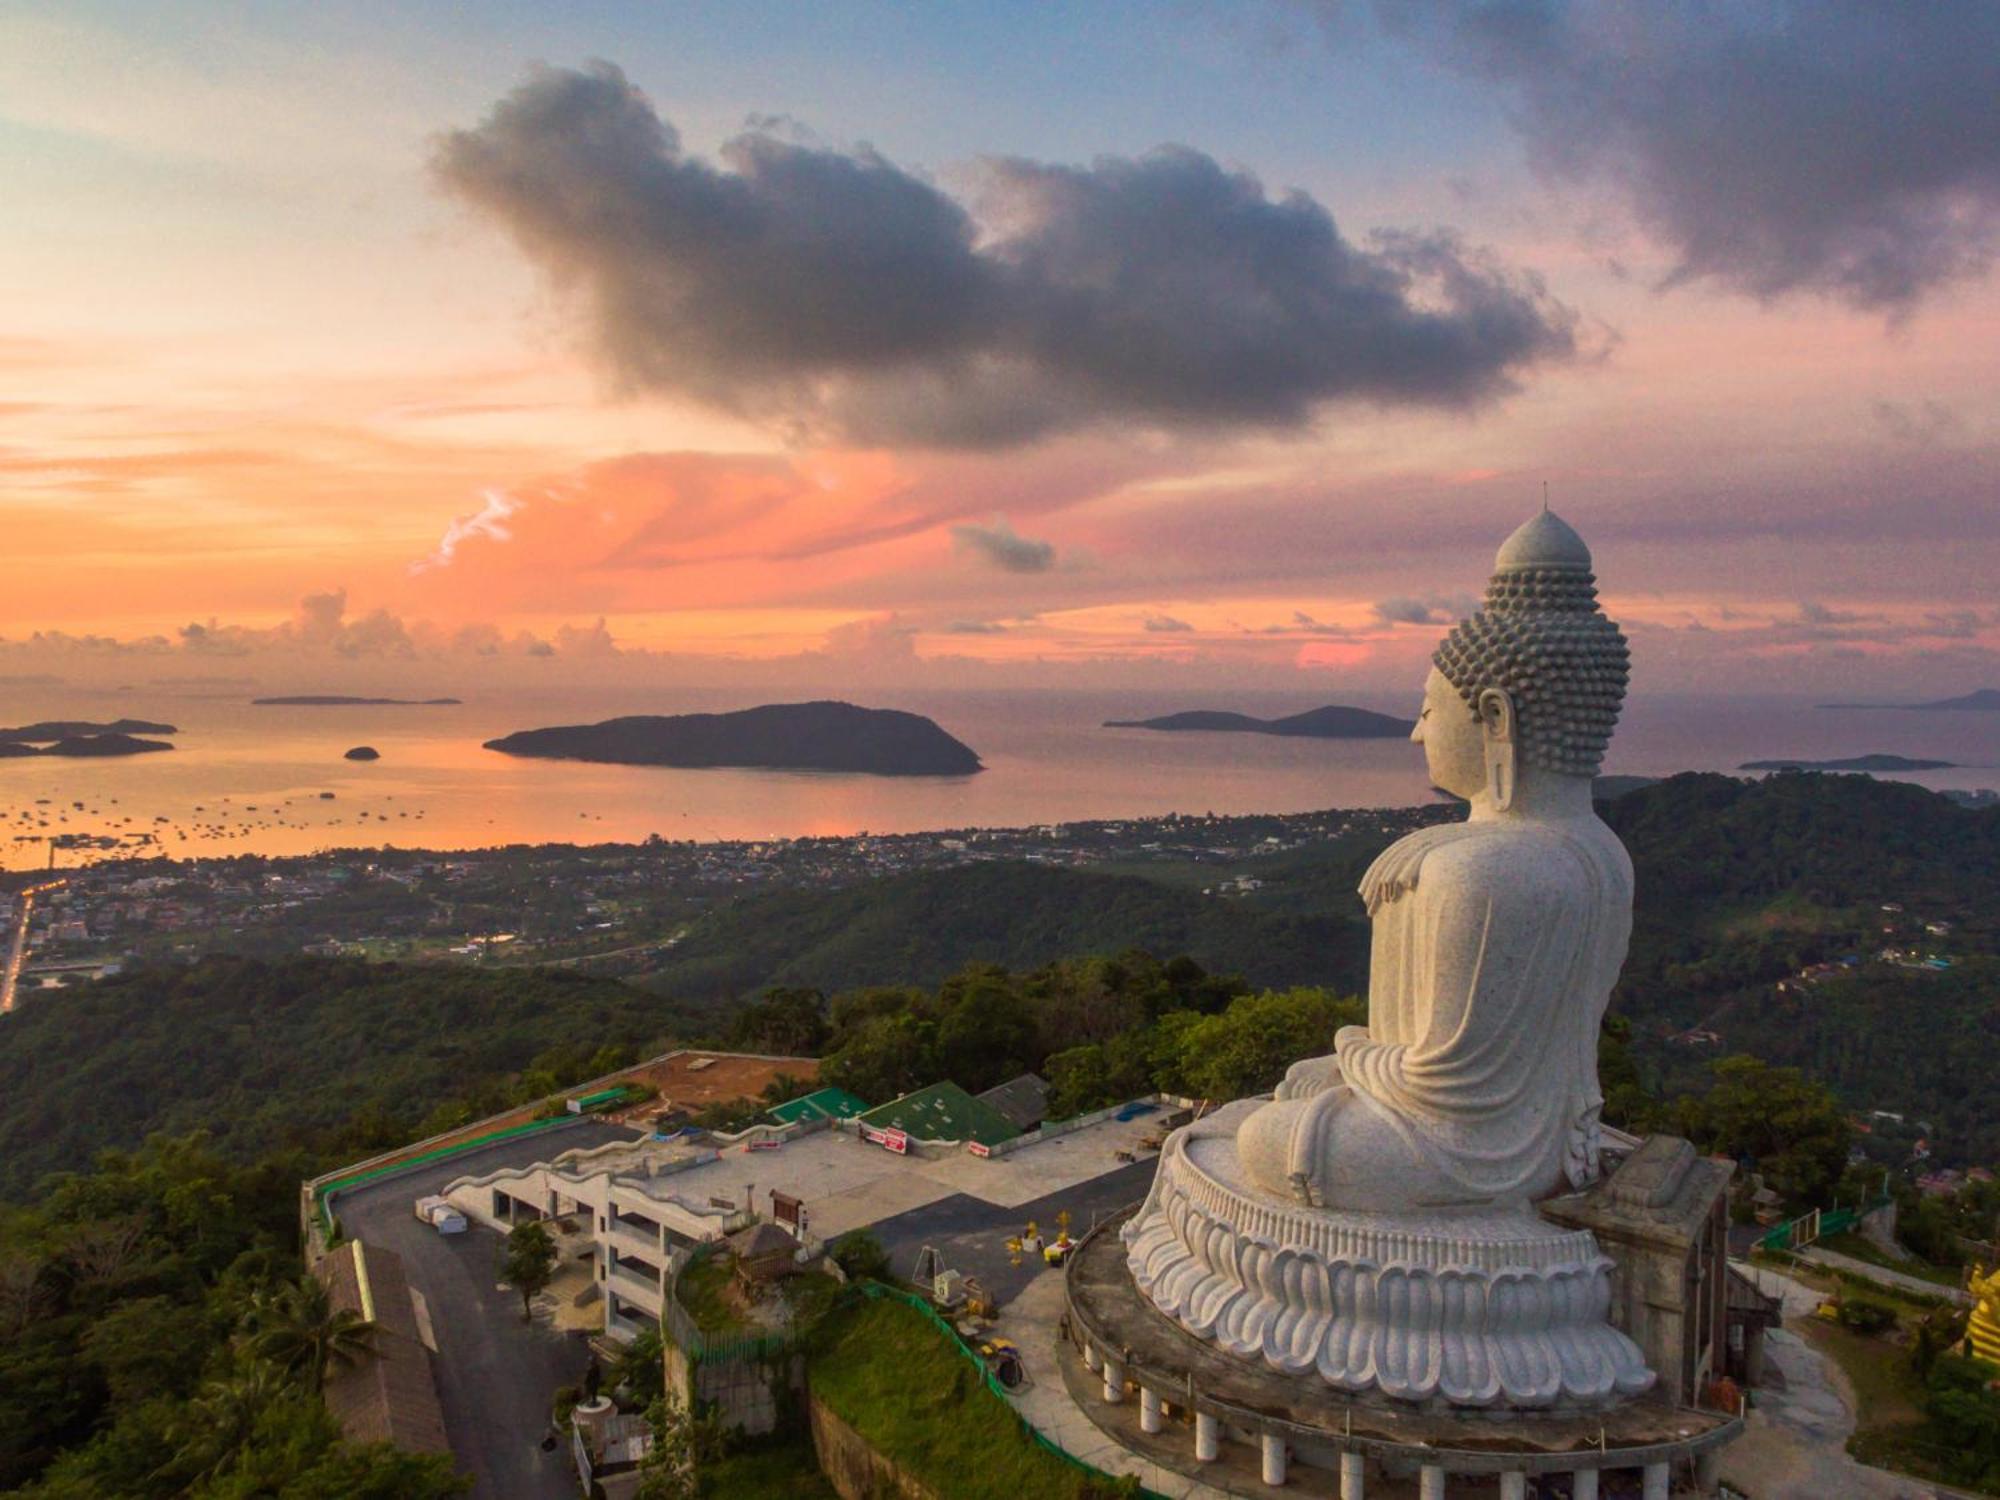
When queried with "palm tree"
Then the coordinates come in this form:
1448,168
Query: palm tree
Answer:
219,1423
301,1332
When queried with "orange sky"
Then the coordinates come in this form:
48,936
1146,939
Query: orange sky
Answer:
254,354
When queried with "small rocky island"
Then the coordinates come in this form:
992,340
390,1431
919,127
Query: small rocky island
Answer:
59,729
1334,722
363,752
83,746
822,736
336,700
1876,762
83,739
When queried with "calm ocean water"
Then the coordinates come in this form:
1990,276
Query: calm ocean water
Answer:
250,779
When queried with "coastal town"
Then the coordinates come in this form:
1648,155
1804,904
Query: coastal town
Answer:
617,908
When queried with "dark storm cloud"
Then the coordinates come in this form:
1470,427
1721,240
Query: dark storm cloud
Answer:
836,293
1843,147
1005,548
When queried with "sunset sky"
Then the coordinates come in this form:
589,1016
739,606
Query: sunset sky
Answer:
1017,343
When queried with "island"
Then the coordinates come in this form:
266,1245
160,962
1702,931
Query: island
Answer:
1334,722
60,729
1851,763
363,752
83,746
1981,700
821,736
336,700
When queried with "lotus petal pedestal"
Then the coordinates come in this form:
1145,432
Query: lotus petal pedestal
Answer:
1483,1309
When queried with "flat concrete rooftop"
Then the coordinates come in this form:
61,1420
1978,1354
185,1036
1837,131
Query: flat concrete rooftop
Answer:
846,1183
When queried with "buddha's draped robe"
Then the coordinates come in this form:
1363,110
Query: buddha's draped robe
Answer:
1495,947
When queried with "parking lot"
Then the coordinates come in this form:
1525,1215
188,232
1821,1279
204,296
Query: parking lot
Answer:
496,1374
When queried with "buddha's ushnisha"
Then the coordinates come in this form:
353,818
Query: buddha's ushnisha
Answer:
1496,941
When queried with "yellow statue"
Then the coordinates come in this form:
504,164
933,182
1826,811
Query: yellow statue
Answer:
1982,1330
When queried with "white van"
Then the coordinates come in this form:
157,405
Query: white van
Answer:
440,1215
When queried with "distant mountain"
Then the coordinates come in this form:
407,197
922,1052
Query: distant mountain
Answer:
335,700
1334,722
84,746
823,736
59,729
1982,700
1876,762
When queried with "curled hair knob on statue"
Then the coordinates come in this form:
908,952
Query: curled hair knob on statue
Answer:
1544,644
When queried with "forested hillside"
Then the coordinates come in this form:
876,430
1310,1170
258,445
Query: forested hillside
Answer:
303,1051
916,929
1740,886
1744,885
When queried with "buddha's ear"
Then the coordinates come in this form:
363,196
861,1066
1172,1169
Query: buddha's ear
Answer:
1496,715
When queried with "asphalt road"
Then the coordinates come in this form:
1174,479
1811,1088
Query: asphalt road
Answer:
496,1374
972,1234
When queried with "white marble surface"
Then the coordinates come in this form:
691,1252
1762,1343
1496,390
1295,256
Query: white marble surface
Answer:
1373,1223
1489,1309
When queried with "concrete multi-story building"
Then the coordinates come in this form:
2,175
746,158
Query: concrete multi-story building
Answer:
627,1206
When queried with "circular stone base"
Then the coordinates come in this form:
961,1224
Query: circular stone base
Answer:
1490,1308
1108,1315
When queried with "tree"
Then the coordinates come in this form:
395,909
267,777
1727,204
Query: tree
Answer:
640,1368
530,1264
1246,1049
786,1022
220,1422
682,1443
1793,1131
860,1256
301,1332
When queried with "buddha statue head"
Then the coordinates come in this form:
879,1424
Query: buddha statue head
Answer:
1526,689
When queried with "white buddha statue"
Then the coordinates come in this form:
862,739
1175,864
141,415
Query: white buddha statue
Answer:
1374,1222
1496,940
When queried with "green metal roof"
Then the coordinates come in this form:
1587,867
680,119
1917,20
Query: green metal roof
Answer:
943,1112
822,1104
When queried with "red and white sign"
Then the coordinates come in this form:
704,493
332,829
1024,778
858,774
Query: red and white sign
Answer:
763,1145
894,1140
979,1148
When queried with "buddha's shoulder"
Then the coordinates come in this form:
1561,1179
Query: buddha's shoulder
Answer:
1506,855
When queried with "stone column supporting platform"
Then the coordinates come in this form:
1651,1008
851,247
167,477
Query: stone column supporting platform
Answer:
1430,1482
1658,1482
1207,1438
1248,1419
1274,1458
1114,1380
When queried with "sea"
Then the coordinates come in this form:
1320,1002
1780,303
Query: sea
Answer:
273,780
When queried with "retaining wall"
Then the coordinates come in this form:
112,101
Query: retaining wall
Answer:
853,1467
